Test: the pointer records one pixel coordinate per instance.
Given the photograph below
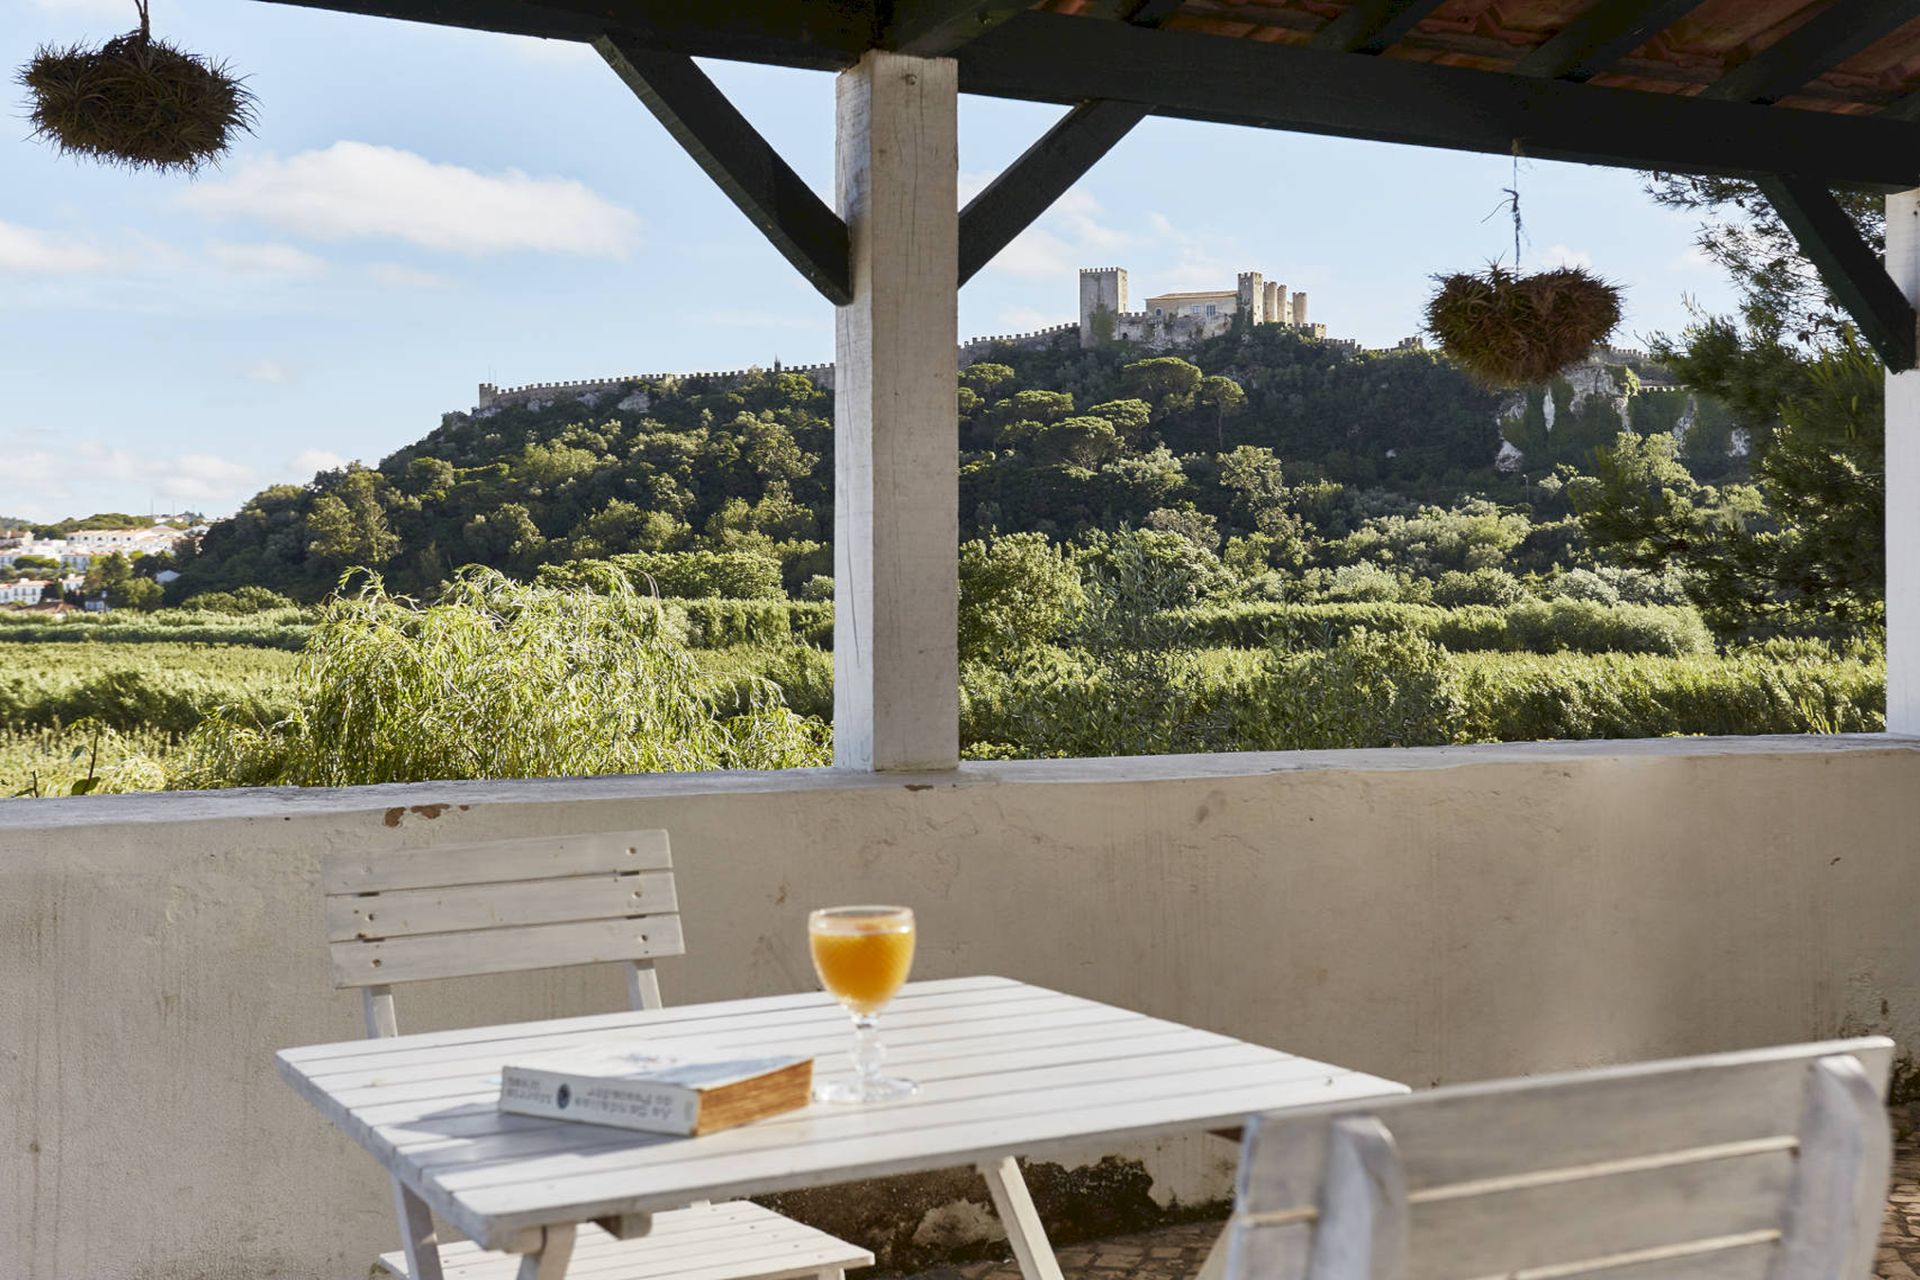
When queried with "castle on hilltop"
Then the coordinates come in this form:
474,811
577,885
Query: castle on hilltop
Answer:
1177,319
1167,321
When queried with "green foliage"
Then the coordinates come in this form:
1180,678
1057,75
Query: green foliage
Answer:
1369,690
241,602
167,687
279,629
1016,592
728,575
1528,626
496,680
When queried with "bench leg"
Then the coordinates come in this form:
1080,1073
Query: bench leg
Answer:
550,1261
418,1241
1017,1215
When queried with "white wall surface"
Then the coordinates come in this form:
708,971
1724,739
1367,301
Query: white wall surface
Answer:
1431,915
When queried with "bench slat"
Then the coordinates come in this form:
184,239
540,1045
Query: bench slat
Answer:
458,955
498,862
403,913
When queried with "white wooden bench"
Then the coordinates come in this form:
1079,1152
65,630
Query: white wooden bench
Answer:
1766,1165
468,910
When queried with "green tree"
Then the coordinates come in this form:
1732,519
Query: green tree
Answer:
1016,591
348,524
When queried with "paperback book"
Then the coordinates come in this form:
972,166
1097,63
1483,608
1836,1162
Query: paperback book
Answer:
653,1092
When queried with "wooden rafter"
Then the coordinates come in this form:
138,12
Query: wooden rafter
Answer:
1851,269
1602,36
744,165
1372,26
1816,46
1051,57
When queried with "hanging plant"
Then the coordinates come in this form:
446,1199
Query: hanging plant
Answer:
137,101
1515,330
1519,330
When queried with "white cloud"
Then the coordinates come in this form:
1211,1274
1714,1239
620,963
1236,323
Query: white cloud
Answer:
311,461
1026,319
1561,256
275,373
355,190
24,249
397,275
42,480
1070,235
266,260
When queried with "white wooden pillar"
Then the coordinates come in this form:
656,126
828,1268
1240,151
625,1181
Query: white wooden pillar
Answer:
1903,486
896,421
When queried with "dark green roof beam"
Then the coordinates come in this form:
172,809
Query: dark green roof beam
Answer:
731,151
1815,46
1372,26
1601,36
1851,269
1054,58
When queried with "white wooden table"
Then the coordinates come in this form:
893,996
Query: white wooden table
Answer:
1004,1069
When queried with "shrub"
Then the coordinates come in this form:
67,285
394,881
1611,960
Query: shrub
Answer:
1531,626
1547,626
1369,690
687,575
1456,589
718,624
239,602
1016,591
818,589
496,680
1364,583
1584,584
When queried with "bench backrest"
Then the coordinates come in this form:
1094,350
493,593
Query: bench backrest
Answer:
1765,1165
455,911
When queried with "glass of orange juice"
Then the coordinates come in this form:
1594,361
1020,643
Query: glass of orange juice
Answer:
862,955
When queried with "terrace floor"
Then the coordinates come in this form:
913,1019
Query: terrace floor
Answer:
1177,1252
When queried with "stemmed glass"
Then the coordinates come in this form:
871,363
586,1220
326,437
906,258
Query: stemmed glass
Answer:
862,955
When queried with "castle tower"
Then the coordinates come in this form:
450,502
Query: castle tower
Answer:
1300,310
1101,289
1253,297
1276,303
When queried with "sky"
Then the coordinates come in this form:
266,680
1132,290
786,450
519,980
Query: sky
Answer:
424,209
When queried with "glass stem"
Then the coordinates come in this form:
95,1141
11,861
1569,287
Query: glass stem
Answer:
868,1053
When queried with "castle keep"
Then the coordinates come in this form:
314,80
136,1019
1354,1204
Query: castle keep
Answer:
1176,319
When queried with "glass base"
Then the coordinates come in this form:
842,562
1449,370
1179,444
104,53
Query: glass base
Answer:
868,1089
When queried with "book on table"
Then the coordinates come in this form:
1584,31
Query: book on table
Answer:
683,1094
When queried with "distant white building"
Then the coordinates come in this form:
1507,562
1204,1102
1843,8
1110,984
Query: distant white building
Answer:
58,549
148,540
25,591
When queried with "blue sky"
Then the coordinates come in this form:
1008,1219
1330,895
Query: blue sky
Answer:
425,209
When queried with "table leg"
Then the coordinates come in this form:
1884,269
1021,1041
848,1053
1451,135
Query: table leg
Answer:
1017,1215
419,1243
549,1261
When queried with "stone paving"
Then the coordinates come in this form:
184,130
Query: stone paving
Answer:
1175,1253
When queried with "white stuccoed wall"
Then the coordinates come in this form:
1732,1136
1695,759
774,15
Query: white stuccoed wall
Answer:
1431,915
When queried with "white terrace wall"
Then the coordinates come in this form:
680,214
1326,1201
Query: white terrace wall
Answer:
1432,915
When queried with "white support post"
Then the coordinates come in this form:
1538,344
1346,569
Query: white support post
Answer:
896,419
1903,486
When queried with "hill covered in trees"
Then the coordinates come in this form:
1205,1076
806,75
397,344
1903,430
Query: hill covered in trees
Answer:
1257,433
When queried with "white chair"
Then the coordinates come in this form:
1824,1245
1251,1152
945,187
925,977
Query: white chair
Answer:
463,911
1767,1165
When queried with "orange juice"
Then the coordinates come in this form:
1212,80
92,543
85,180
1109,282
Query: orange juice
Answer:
862,954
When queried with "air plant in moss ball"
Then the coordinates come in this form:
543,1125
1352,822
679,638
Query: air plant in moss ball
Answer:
137,101
1511,329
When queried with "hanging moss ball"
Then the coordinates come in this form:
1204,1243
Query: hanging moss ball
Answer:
136,101
1512,330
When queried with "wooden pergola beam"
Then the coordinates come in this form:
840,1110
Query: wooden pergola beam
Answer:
1372,26
1197,76
1602,36
741,162
1028,187
1818,45
1852,270
1046,170
935,28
